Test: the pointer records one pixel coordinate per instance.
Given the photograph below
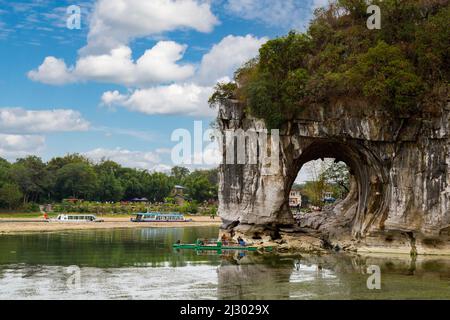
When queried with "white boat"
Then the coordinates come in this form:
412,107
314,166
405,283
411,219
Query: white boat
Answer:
76,218
160,217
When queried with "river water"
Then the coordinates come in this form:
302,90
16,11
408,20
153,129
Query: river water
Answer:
141,264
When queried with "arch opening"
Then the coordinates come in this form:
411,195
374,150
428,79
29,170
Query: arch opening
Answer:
364,202
319,184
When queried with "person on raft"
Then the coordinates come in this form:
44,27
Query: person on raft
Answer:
241,242
224,240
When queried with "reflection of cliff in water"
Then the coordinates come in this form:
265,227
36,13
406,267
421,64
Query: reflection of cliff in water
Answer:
253,277
335,276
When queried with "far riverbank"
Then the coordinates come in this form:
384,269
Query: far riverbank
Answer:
13,225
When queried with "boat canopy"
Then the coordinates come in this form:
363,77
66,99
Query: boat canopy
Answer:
161,216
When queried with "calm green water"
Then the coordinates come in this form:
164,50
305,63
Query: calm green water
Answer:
140,264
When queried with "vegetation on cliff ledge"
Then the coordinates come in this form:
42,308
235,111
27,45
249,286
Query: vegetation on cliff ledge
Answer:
403,67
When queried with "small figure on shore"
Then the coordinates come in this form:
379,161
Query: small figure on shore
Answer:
319,270
224,240
241,242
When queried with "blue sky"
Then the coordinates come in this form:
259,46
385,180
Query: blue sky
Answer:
135,71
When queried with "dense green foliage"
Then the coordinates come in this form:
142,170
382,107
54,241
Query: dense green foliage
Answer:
337,175
10,195
30,181
402,68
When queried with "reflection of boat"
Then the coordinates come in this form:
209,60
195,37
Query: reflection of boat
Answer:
225,254
160,217
213,245
215,252
76,218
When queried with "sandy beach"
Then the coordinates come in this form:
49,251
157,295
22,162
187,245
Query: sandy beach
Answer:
28,225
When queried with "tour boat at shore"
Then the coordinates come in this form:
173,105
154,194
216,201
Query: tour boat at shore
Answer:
160,217
76,218
214,245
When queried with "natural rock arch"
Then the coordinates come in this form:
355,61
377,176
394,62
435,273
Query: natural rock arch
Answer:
400,198
369,188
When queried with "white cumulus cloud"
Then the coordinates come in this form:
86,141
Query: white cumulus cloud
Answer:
131,159
22,131
228,55
191,97
52,71
157,82
156,65
185,99
13,146
107,56
115,23
113,98
22,121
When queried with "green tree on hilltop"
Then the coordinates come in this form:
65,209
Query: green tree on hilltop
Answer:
401,69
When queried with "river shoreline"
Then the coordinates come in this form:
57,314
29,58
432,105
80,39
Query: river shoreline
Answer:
31,225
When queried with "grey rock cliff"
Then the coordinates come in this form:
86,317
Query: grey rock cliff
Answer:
400,197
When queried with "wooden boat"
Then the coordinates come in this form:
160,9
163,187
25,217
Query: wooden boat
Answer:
212,245
160,217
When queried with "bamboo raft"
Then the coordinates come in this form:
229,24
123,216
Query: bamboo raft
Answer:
212,245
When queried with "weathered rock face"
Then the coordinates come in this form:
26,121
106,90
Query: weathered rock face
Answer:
400,168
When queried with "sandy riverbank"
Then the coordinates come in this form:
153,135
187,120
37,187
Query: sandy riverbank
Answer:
27,225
